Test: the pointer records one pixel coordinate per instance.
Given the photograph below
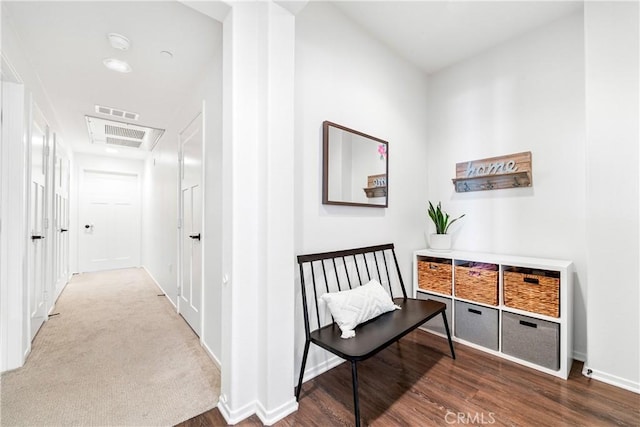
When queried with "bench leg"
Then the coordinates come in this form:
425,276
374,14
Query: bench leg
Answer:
304,362
446,327
356,404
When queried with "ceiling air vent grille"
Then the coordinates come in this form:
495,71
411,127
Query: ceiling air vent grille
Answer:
125,132
117,112
124,142
111,132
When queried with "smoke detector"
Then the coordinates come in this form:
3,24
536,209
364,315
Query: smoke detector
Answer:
111,132
118,41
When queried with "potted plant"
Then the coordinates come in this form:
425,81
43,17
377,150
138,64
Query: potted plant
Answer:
440,240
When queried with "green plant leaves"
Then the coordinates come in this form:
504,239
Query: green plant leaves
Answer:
441,219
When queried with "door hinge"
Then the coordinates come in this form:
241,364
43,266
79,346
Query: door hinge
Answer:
46,223
179,222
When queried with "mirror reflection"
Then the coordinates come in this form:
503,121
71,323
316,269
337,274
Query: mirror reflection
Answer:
355,167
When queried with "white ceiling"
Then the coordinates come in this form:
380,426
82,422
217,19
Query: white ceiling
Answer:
436,34
67,41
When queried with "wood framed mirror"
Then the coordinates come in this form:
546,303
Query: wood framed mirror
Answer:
355,167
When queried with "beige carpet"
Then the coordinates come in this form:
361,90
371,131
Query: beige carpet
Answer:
116,355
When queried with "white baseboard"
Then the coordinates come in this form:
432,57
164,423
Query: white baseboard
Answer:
269,418
211,355
158,285
613,380
321,368
234,417
58,291
580,356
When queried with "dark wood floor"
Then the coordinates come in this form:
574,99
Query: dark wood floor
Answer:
416,383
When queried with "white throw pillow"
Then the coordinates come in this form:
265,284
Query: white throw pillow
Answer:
355,306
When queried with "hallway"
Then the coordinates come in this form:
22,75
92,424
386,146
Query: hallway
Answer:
114,352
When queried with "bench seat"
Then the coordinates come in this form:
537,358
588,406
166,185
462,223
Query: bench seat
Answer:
346,269
379,332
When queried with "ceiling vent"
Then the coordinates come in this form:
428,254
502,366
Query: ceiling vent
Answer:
111,132
115,112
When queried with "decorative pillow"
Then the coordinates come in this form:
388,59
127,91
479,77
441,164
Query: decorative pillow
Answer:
355,306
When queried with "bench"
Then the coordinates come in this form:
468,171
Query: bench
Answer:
346,269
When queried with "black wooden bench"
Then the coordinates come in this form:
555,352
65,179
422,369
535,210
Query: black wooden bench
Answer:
346,269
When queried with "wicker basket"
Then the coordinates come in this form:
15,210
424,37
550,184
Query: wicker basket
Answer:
434,274
477,284
534,291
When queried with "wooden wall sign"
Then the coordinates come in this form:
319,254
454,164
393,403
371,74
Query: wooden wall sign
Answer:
493,173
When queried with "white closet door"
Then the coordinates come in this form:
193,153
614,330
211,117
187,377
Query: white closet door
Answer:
109,220
60,218
37,221
190,290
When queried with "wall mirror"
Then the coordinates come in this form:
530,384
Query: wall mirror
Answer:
355,167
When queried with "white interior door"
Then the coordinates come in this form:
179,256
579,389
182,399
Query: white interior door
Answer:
190,286
37,221
109,220
61,176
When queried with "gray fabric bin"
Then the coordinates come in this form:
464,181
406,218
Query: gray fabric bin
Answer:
534,340
436,324
477,324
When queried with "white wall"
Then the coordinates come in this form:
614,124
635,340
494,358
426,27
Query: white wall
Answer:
524,95
160,199
13,50
612,100
344,76
17,68
14,305
160,214
258,136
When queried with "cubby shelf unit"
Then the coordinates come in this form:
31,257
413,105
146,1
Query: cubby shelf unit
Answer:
562,324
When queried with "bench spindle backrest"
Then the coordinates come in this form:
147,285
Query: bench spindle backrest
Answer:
343,264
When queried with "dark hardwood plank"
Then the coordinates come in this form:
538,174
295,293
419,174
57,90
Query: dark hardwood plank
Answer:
416,383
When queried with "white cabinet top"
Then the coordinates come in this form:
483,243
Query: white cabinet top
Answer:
520,261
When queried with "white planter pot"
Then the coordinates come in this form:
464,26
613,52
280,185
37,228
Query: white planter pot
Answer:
440,242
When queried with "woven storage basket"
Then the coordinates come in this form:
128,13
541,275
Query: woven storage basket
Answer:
534,291
477,284
435,275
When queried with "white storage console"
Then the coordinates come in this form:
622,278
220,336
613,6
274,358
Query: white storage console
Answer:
518,308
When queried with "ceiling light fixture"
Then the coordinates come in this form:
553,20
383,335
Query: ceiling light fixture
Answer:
117,65
118,41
